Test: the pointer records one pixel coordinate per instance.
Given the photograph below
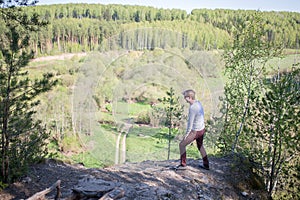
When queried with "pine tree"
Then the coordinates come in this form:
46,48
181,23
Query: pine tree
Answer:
173,111
23,138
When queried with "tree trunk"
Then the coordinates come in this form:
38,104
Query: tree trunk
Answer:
246,108
5,134
169,145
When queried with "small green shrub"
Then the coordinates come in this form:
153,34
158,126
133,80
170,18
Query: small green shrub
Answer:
71,144
108,107
2,185
143,118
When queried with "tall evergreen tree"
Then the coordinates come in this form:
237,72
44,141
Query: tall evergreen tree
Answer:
23,138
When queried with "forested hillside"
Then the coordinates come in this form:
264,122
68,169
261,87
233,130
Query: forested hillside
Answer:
88,27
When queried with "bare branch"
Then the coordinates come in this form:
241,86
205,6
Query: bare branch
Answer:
41,195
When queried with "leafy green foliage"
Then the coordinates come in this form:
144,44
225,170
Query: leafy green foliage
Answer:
245,67
143,118
277,25
261,117
274,127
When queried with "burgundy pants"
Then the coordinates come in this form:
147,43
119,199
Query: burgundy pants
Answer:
193,135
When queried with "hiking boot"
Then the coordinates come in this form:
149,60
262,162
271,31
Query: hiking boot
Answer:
204,167
180,167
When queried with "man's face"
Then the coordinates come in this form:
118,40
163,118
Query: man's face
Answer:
187,98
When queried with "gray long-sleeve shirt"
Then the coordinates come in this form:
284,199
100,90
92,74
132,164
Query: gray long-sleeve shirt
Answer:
195,117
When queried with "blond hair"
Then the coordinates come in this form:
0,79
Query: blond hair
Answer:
189,93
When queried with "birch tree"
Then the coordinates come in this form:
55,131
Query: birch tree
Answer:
274,127
245,64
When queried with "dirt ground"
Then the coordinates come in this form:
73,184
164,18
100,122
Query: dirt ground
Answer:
145,180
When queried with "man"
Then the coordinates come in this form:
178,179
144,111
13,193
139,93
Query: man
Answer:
195,130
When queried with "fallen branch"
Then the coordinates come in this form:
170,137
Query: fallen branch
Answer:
41,195
116,193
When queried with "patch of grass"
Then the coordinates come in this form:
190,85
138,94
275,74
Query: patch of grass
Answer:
143,130
132,110
88,160
105,117
147,148
71,144
282,64
142,145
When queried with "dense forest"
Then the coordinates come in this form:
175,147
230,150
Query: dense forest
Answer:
88,27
